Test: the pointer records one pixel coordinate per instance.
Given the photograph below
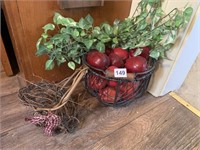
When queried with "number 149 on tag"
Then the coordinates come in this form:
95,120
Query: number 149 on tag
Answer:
120,72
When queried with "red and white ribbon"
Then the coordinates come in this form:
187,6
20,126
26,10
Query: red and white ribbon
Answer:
50,121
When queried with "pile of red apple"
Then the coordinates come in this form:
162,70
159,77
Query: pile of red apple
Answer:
111,90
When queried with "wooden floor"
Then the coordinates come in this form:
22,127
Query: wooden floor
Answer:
147,124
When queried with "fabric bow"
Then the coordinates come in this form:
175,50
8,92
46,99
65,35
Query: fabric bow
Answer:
50,121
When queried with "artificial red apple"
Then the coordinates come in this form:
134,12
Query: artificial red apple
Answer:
108,94
136,64
97,59
108,51
115,60
121,53
96,82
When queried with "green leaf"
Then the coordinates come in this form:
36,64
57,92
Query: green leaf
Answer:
156,32
71,65
188,11
174,33
77,60
73,52
56,17
75,33
41,50
187,14
89,19
123,46
159,12
66,38
155,54
142,25
115,30
107,28
67,30
56,37
169,23
49,64
48,43
141,16
49,26
44,35
154,21
115,40
171,38
116,22
59,19
83,33
178,20
62,30
88,43
49,46
154,2
60,59
100,47
151,1
168,46
143,43
138,51
96,30
163,55
38,43
84,24
104,38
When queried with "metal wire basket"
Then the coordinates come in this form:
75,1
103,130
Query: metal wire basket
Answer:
117,92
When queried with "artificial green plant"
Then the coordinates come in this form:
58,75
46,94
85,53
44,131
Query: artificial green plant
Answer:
149,26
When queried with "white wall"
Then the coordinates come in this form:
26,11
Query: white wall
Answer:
185,59
170,74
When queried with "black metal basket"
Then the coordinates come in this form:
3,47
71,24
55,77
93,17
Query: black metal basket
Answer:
117,91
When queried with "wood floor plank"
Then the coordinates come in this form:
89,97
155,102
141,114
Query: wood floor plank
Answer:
167,127
8,85
12,112
98,125
180,131
147,124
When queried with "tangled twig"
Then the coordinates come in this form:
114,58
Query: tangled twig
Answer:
45,97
